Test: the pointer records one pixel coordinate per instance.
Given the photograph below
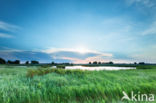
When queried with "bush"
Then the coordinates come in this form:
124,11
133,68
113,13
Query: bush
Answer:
61,66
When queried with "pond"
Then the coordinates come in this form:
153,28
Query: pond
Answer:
99,68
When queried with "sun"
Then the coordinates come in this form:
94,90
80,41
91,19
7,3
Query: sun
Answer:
82,50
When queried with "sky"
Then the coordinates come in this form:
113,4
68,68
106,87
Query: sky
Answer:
78,31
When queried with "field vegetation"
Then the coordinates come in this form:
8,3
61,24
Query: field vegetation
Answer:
36,84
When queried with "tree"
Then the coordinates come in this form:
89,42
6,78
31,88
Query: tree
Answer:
99,62
9,62
2,61
142,63
110,62
34,62
135,63
95,62
90,63
13,62
17,62
27,62
52,63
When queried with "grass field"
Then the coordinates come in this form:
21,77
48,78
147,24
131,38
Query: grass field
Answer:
17,85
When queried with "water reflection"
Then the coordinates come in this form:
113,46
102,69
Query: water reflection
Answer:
99,68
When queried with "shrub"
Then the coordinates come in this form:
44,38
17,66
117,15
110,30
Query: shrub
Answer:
61,66
31,73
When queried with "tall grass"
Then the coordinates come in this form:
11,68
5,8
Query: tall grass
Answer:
42,71
146,67
67,86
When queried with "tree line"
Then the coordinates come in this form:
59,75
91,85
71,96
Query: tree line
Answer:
95,62
3,61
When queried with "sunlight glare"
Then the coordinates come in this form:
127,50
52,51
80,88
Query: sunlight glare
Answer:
82,50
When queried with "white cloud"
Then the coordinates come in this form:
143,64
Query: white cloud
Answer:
86,60
6,49
97,58
151,29
8,27
77,50
146,55
146,3
3,35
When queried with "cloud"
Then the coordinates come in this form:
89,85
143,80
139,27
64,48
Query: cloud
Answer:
3,35
6,49
75,56
62,56
87,60
145,7
146,55
98,58
151,29
75,50
146,3
8,27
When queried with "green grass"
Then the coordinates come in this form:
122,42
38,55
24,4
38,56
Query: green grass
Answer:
72,86
146,67
42,71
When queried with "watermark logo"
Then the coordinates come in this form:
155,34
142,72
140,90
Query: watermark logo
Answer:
138,97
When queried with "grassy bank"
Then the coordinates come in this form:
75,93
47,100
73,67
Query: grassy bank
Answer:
62,86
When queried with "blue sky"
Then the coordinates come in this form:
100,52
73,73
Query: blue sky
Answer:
78,31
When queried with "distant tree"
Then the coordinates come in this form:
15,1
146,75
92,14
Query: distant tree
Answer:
27,62
110,62
61,66
99,62
95,62
66,63
90,62
52,63
13,62
71,64
135,63
2,61
141,63
17,62
9,62
34,62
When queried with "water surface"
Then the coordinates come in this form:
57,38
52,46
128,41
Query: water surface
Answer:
99,68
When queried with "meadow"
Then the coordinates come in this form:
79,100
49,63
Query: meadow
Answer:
34,84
